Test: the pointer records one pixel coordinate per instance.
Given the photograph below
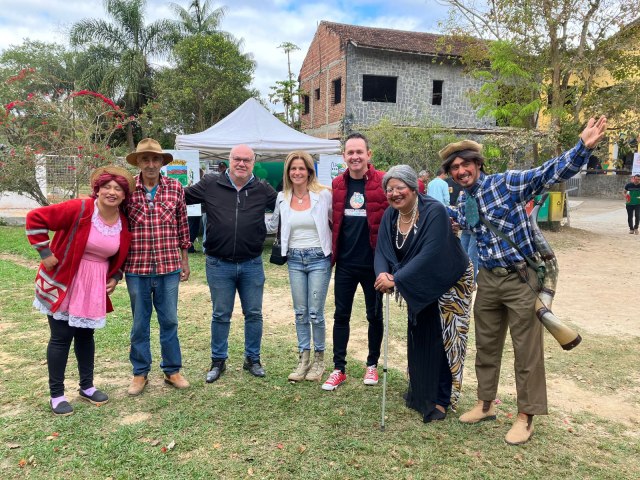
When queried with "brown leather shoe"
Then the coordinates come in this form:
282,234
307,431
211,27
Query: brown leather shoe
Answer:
138,382
176,380
481,412
521,430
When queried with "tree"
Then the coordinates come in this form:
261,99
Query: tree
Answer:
200,18
75,129
210,80
417,146
558,43
53,62
287,91
122,49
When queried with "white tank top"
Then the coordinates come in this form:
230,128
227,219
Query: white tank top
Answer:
303,230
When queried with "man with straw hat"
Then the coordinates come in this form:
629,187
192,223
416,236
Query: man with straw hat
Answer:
156,264
493,206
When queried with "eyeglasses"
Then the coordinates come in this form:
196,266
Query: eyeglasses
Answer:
246,161
390,190
149,199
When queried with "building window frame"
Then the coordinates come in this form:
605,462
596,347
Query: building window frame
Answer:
437,92
379,88
337,90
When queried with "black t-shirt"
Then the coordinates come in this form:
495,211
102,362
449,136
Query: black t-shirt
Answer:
454,191
354,232
631,186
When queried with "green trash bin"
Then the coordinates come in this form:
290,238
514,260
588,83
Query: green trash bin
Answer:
543,213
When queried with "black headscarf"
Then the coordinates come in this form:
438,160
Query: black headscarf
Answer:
434,262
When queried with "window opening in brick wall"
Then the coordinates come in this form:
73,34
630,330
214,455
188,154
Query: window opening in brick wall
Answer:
305,99
337,91
436,97
317,94
376,88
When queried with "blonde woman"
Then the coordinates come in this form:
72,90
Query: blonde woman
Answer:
303,210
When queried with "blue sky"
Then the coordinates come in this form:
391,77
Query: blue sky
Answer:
263,24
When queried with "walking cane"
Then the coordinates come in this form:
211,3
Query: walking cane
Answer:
384,366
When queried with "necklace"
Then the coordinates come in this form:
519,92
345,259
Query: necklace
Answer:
300,199
412,221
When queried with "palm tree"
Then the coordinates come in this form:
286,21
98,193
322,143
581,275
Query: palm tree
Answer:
200,18
122,49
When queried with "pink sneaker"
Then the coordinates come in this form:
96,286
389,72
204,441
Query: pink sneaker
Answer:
371,375
336,379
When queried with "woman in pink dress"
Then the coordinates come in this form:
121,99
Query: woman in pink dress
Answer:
80,267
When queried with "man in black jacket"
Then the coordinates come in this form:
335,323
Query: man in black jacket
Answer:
234,202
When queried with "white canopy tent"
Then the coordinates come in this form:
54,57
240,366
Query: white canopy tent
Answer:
251,124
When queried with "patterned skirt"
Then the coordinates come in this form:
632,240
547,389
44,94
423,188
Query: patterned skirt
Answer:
455,306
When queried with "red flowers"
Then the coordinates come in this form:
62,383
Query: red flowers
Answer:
15,103
21,75
106,100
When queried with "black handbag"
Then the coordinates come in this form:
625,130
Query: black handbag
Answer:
276,252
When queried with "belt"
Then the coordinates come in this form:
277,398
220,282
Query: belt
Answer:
504,271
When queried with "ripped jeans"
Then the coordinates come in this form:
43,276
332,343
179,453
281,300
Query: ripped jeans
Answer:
309,275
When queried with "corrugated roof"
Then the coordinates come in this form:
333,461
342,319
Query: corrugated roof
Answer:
399,40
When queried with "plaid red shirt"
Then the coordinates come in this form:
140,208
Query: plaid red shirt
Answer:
159,229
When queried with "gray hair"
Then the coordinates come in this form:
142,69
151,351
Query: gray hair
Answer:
404,173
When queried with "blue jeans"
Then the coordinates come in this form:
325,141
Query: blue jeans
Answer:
224,278
161,292
309,275
469,245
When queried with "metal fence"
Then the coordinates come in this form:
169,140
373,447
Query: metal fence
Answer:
64,177
573,186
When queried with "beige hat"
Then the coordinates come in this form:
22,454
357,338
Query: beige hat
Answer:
148,145
458,147
113,170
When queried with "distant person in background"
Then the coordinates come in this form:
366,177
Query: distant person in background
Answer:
222,167
594,166
438,188
467,237
632,197
303,211
80,268
424,176
195,222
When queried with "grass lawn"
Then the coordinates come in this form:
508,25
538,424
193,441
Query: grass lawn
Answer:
243,427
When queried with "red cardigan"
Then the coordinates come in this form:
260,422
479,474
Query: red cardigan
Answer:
375,203
71,222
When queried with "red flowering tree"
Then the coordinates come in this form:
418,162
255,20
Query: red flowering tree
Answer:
57,139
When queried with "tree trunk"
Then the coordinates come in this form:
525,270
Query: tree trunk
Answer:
130,142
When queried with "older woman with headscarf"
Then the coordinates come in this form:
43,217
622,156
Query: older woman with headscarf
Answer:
419,257
80,268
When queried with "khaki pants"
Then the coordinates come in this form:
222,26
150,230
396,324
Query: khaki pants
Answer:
503,302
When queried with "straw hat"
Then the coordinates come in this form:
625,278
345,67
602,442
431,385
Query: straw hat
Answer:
113,170
148,145
458,147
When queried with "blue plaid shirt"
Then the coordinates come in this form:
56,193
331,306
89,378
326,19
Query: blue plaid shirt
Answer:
502,198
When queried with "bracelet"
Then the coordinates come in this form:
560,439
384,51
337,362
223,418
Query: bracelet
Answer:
387,275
